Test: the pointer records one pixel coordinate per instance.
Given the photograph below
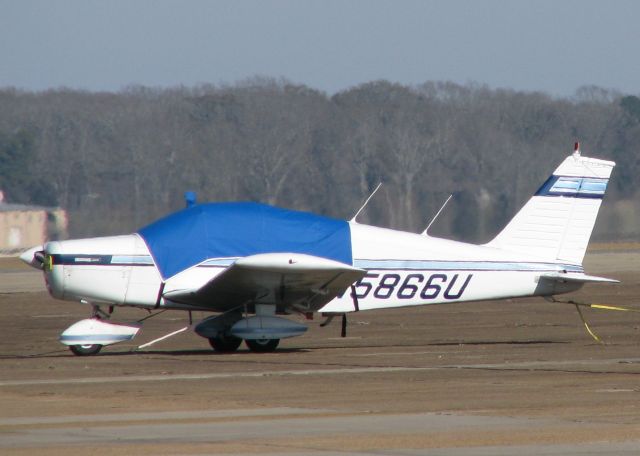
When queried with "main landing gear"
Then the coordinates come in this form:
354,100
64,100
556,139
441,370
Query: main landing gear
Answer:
261,333
229,344
262,345
85,350
224,343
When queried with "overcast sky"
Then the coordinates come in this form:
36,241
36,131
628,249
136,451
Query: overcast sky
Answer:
552,46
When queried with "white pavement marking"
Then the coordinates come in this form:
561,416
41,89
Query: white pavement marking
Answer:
550,365
255,429
208,376
629,448
160,416
258,429
440,352
586,449
52,316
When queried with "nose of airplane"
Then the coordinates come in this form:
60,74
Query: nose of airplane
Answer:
34,257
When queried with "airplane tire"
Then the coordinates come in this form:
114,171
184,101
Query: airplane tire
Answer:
262,346
85,350
225,344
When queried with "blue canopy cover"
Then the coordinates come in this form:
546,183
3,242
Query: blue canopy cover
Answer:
231,230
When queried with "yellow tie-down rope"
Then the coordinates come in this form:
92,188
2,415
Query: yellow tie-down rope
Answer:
594,306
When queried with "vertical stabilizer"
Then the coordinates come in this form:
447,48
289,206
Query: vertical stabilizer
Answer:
556,223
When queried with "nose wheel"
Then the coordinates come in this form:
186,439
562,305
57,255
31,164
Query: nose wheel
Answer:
87,337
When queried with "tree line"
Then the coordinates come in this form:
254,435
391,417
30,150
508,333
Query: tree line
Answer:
116,161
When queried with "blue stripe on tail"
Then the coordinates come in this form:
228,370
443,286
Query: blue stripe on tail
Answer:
574,187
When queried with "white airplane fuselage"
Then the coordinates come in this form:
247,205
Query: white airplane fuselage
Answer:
403,269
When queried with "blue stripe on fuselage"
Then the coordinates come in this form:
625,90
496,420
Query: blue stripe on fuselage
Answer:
102,260
424,265
437,265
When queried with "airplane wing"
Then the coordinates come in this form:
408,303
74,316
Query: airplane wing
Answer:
288,280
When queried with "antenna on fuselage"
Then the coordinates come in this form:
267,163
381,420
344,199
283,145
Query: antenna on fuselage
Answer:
435,216
353,220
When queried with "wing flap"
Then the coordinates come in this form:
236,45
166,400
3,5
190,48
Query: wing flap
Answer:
290,280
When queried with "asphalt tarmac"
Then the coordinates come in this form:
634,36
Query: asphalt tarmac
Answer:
517,377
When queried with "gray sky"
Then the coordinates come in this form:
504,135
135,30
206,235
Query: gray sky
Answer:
553,46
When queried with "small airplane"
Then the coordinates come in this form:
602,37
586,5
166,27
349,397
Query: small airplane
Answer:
250,263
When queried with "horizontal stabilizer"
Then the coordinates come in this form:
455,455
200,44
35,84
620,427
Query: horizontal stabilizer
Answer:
576,278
